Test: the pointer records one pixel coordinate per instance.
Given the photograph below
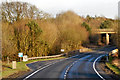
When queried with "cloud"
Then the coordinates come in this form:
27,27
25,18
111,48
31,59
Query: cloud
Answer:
83,7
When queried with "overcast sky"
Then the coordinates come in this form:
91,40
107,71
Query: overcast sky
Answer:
107,8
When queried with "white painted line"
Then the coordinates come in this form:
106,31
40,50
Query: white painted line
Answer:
72,57
65,75
36,72
95,68
91,59
47,66
66,72
85,57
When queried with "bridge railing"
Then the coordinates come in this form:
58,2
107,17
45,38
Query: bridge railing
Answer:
104,31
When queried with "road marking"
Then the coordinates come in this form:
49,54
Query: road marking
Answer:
87,63
37,71
72,57
95,68
67,70
47,66
91,59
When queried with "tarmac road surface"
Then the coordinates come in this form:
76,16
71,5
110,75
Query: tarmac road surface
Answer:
78,67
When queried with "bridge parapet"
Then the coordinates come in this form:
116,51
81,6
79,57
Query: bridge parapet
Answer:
100,31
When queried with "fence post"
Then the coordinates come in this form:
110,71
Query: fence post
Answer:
107,57
13,64
8,60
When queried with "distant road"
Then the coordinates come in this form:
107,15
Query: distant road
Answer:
81,66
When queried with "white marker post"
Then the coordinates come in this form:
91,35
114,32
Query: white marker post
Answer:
62,50
25,58
13,64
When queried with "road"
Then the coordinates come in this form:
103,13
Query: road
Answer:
81,66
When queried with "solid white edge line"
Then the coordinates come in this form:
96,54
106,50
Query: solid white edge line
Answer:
46,67
95,68
36,72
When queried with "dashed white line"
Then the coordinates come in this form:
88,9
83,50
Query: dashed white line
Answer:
65,76
95,68
66,72
46,67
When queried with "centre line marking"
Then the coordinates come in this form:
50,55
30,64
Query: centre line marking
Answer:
67,70
47,66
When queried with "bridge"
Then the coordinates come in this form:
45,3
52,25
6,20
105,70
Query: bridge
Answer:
105,31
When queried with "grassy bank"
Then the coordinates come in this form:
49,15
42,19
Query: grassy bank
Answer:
113,67
7,70
21,66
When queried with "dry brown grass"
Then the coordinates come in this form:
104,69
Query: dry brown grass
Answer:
116,62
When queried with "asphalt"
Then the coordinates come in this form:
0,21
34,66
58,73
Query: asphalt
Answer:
76,68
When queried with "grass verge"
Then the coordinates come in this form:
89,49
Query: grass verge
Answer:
21,66
114,68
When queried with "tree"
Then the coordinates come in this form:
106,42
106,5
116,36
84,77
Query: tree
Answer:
70,30
105,24
86,26
15,11
88,18
34,33
118,38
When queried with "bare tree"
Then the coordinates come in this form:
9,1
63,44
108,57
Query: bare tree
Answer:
15,11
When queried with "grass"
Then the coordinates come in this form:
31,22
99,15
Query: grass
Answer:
114,68
111,59
21,66
111,66
90,50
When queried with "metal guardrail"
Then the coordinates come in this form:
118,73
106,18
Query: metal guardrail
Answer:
83,50
44,57
55,56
